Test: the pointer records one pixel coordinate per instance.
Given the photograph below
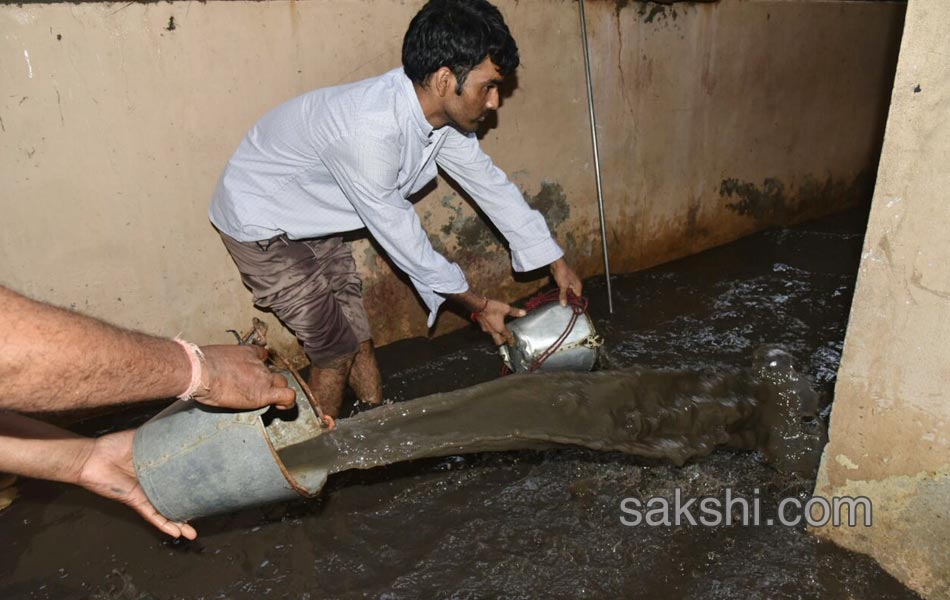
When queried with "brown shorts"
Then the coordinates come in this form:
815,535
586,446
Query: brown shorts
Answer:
313,288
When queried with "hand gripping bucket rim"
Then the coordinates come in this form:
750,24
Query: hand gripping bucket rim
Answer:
552,337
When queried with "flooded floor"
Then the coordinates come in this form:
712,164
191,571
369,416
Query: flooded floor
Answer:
524,524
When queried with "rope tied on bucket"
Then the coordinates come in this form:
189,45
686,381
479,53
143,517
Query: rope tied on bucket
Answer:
258,337
578,305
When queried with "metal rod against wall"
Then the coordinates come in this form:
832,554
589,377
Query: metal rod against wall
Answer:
593,135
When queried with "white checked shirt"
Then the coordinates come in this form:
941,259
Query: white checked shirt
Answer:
347,157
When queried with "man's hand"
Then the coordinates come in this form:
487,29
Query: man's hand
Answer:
492,321
236,377
566,279
107,470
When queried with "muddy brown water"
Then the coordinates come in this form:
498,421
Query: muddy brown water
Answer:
543,522
672,415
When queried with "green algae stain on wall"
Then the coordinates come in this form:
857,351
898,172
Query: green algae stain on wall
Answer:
475,235
775,202
471,231
551,201
369,258
767,203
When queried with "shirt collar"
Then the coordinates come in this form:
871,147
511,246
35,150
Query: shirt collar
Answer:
423,127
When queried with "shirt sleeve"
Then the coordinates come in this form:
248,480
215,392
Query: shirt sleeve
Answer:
366,169
529,238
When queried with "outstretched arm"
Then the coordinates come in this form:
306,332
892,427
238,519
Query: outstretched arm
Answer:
55,359
529,238
104,466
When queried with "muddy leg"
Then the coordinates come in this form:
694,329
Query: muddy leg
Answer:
327,384
364,378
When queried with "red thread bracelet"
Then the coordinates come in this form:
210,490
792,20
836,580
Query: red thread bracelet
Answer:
479,311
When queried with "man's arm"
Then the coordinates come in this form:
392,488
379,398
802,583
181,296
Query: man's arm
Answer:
490,314
529,238
103,466
366,171
55,359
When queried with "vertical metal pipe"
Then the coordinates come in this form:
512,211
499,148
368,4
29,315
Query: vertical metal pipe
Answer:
593,135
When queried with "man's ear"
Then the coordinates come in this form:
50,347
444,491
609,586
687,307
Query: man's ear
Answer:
444,80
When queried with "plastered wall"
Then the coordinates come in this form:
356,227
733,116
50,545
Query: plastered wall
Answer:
715,120
890,425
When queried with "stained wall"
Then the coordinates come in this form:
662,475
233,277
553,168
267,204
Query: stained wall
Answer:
715,120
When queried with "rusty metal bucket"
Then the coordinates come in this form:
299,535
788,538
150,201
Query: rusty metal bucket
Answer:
194,460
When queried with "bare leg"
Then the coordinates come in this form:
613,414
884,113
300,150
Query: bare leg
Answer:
327,384
364,378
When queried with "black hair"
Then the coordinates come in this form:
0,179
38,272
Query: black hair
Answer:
458,34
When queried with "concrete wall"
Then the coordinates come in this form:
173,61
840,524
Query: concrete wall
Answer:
715,120
890,425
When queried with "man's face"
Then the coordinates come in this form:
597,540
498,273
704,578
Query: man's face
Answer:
479,96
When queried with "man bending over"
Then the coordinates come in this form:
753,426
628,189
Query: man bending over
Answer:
343,158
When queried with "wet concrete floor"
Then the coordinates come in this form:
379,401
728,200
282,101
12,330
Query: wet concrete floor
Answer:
526,524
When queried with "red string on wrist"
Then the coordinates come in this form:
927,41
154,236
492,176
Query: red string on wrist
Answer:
475,314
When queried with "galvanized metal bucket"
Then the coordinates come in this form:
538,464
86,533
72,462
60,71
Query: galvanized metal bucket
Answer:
194,460
552,338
